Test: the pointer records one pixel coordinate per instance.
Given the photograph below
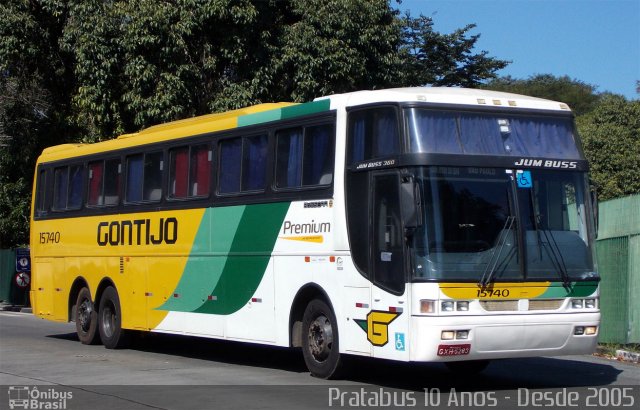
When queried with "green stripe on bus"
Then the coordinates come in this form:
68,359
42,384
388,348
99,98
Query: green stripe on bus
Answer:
202,272
256,237
576,290
306,109
240,241
291,111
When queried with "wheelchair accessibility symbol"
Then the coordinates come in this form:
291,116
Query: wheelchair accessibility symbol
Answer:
523,179
400,341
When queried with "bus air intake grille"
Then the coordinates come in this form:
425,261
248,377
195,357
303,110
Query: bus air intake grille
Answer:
545,304
499,305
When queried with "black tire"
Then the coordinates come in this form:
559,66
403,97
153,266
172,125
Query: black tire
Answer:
110,320
468,367
86,317
320,341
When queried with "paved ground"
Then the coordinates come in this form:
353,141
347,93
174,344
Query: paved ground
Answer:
167,372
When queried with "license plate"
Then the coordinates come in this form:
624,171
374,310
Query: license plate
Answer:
453,350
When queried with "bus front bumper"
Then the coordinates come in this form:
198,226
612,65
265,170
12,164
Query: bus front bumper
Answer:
457,338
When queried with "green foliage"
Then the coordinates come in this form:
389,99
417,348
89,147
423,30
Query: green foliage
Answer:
84,71
580,96
444,59
611,140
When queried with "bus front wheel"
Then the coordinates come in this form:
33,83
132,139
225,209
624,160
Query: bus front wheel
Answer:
110,320
86,318
320,342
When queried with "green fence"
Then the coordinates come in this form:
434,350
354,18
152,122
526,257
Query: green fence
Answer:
7,271
618,254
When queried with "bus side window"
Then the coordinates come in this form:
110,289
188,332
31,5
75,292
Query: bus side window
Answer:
41,193
304,156
229,168
152,185
254,163
373,134
189,171
104,183
289,158
200,171
134,178
317,160
243,164
111,190
144,177
178,172
74,200
67,188
60,188
96,171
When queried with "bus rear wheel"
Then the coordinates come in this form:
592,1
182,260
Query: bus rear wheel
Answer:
320,342
110,320
86,318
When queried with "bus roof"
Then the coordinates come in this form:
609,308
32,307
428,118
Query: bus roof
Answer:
273,111
447,95
163,132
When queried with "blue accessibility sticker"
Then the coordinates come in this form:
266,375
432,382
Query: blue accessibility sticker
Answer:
524,179
400,341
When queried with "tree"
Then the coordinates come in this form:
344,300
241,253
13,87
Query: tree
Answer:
444,59
580,96
611,140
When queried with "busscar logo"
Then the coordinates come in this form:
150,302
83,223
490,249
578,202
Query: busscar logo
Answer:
376,325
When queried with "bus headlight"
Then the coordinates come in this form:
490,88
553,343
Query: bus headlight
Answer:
590,303
448,335
447,306
462,334
576,304
462,306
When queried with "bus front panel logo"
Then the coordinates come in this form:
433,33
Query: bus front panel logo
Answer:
377,326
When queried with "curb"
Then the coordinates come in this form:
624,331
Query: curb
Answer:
628,356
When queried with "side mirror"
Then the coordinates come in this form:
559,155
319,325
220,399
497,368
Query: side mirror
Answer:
410,204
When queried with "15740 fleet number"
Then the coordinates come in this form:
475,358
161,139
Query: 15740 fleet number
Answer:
49,237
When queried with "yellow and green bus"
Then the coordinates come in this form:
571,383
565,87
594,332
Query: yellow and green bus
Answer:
414,224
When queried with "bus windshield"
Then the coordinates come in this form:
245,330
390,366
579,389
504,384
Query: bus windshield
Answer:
450,132
530,225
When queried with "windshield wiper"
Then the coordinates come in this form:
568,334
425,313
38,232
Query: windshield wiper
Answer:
553,250
491,267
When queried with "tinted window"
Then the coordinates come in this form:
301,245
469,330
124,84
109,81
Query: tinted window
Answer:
104,183
243,164
67,188
254,164
373,134
41,190
230,165
144,177
134,178
189,171
305,156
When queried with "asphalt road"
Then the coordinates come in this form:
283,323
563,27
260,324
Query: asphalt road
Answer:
173,372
